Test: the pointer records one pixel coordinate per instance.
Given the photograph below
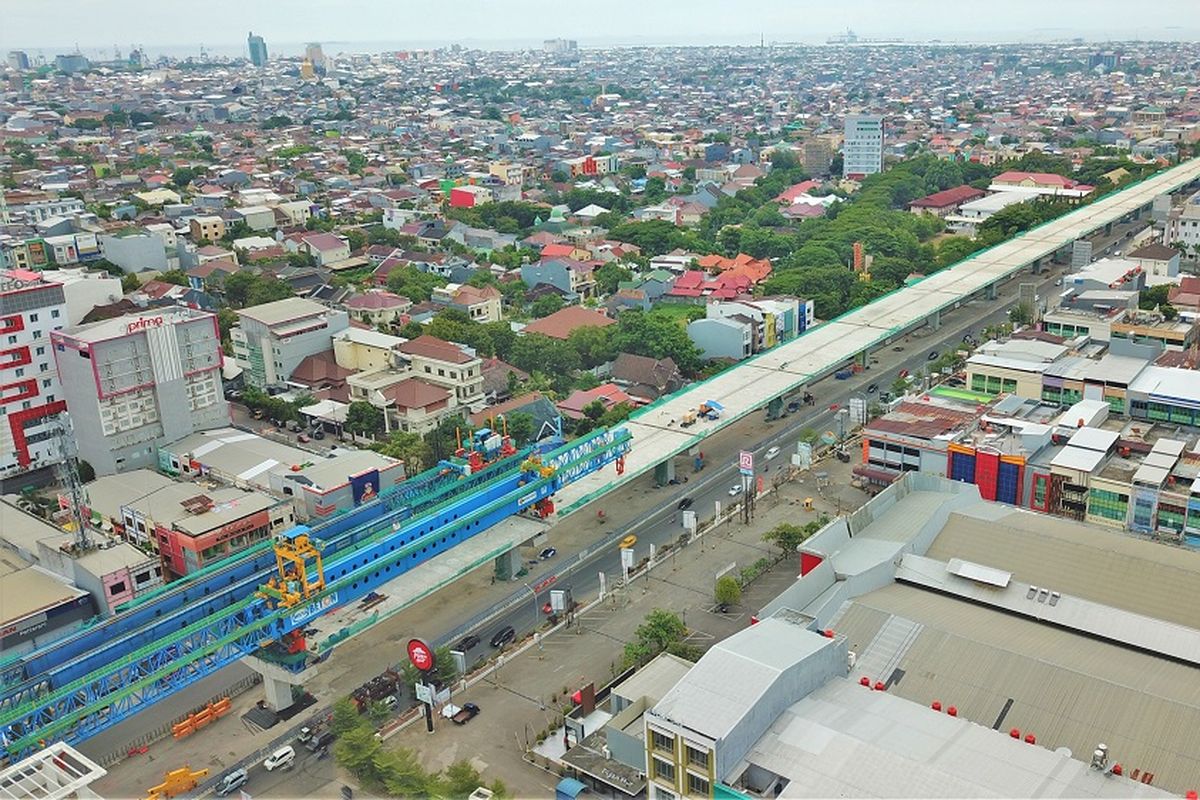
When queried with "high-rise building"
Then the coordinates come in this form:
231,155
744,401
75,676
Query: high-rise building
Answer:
862,145
270,340
18,59
560,45
71,63
312,51
31,309
135,383
258,50
817,157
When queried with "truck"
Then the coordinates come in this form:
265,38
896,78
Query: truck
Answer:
377,688
689,418
465,714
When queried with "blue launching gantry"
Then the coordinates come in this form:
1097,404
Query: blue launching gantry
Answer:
268,599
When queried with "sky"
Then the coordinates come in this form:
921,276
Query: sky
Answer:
50,26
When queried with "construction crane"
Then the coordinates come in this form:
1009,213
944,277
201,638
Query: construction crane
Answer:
67,472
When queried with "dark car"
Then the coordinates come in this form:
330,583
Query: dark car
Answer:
466,643
685,503
503,636
547,553
793,406
932,356
873,388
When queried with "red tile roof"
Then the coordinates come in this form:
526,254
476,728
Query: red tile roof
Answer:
557,250
948,197
1040,178
790,194
323,241
413,393
608,394
438,349
376,301
560,324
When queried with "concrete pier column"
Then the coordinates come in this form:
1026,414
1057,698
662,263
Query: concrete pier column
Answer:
278,691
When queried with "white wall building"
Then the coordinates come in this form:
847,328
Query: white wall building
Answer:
862,145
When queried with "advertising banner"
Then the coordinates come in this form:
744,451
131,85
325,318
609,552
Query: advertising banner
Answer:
365,486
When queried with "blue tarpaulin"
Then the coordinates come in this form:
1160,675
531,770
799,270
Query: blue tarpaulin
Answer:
568,789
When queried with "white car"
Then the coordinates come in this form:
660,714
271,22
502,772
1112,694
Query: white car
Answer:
735,490
772,452
280,759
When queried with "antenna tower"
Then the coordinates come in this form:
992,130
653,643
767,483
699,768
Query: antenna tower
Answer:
67,472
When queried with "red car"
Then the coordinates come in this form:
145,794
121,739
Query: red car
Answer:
903,373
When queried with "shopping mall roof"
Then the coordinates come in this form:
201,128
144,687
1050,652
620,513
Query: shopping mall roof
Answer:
846,741
1076,634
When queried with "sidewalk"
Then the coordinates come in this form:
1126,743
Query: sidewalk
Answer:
516,698
228,741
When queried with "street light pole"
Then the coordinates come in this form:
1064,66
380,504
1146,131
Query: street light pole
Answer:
536,608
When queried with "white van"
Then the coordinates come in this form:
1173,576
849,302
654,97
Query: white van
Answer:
280,759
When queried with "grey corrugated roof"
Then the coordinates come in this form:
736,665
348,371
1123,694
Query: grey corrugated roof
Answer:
844,741
1067,689
731,677
1091,562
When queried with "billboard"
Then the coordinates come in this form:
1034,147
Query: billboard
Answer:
365,486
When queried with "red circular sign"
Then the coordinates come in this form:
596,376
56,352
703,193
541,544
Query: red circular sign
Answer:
420,654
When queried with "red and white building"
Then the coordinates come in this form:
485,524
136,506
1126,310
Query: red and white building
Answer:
31,307
135,383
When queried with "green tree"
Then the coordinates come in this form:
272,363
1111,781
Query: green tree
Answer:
364,419
656,334
406,446
787,537
1154,297
401,775
546,305
130,282
412,283
267,290
1020,314
356,751
520,427
460,779
593,344
345,717
87,473
658,632
545,354
175,276
727,590
608,276
183,176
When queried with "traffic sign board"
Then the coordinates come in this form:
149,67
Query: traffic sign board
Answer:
746,462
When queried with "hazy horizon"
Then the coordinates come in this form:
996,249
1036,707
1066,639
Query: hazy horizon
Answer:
356,25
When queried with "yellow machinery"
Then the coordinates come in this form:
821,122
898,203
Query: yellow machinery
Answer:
301,574
534,464
176,782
